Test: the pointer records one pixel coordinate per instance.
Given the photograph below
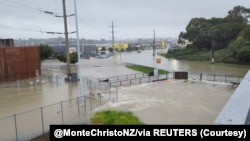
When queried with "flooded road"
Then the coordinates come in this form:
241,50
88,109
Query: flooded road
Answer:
146,58
156,103
16,99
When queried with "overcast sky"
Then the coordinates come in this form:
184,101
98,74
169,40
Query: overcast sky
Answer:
131,18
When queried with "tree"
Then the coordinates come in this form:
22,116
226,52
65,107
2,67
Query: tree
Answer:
103,49
73,57
243,54
45,51
246,33
110,49
238,14
229,37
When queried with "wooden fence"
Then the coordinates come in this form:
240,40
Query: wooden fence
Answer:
18,63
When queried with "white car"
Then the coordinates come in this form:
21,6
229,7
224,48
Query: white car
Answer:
102,56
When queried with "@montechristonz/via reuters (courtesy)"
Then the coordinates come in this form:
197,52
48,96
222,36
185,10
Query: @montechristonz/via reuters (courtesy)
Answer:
175,132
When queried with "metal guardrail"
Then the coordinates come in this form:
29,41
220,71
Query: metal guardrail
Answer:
139,78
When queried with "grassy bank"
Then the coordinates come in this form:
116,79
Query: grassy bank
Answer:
220,56
145,69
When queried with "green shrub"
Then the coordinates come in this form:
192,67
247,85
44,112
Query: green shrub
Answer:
111,117
145,69
63,58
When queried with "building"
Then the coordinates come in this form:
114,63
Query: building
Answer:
90,50
60,49
6,43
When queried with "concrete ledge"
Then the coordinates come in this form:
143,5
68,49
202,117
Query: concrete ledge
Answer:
236,110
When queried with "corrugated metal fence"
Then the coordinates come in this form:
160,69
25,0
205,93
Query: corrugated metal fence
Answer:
18,63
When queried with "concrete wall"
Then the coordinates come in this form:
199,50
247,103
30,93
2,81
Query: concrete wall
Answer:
236,110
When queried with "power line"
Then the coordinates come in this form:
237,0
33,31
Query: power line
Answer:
32,9
36,10
88,18
29,8
19,28
20,7
26,29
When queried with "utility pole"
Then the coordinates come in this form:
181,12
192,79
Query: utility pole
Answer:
154,43
154,50
66,38
113,36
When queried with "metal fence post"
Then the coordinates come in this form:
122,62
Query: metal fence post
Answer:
85,105
15,127
173,75
90,103
100,95
42,119
117,93
62,111
78,105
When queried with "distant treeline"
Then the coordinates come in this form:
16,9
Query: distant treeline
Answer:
228,37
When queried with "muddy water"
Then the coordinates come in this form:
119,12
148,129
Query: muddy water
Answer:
146,58
160,103
18,99
174,102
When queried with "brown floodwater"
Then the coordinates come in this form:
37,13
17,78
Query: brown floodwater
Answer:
16,98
